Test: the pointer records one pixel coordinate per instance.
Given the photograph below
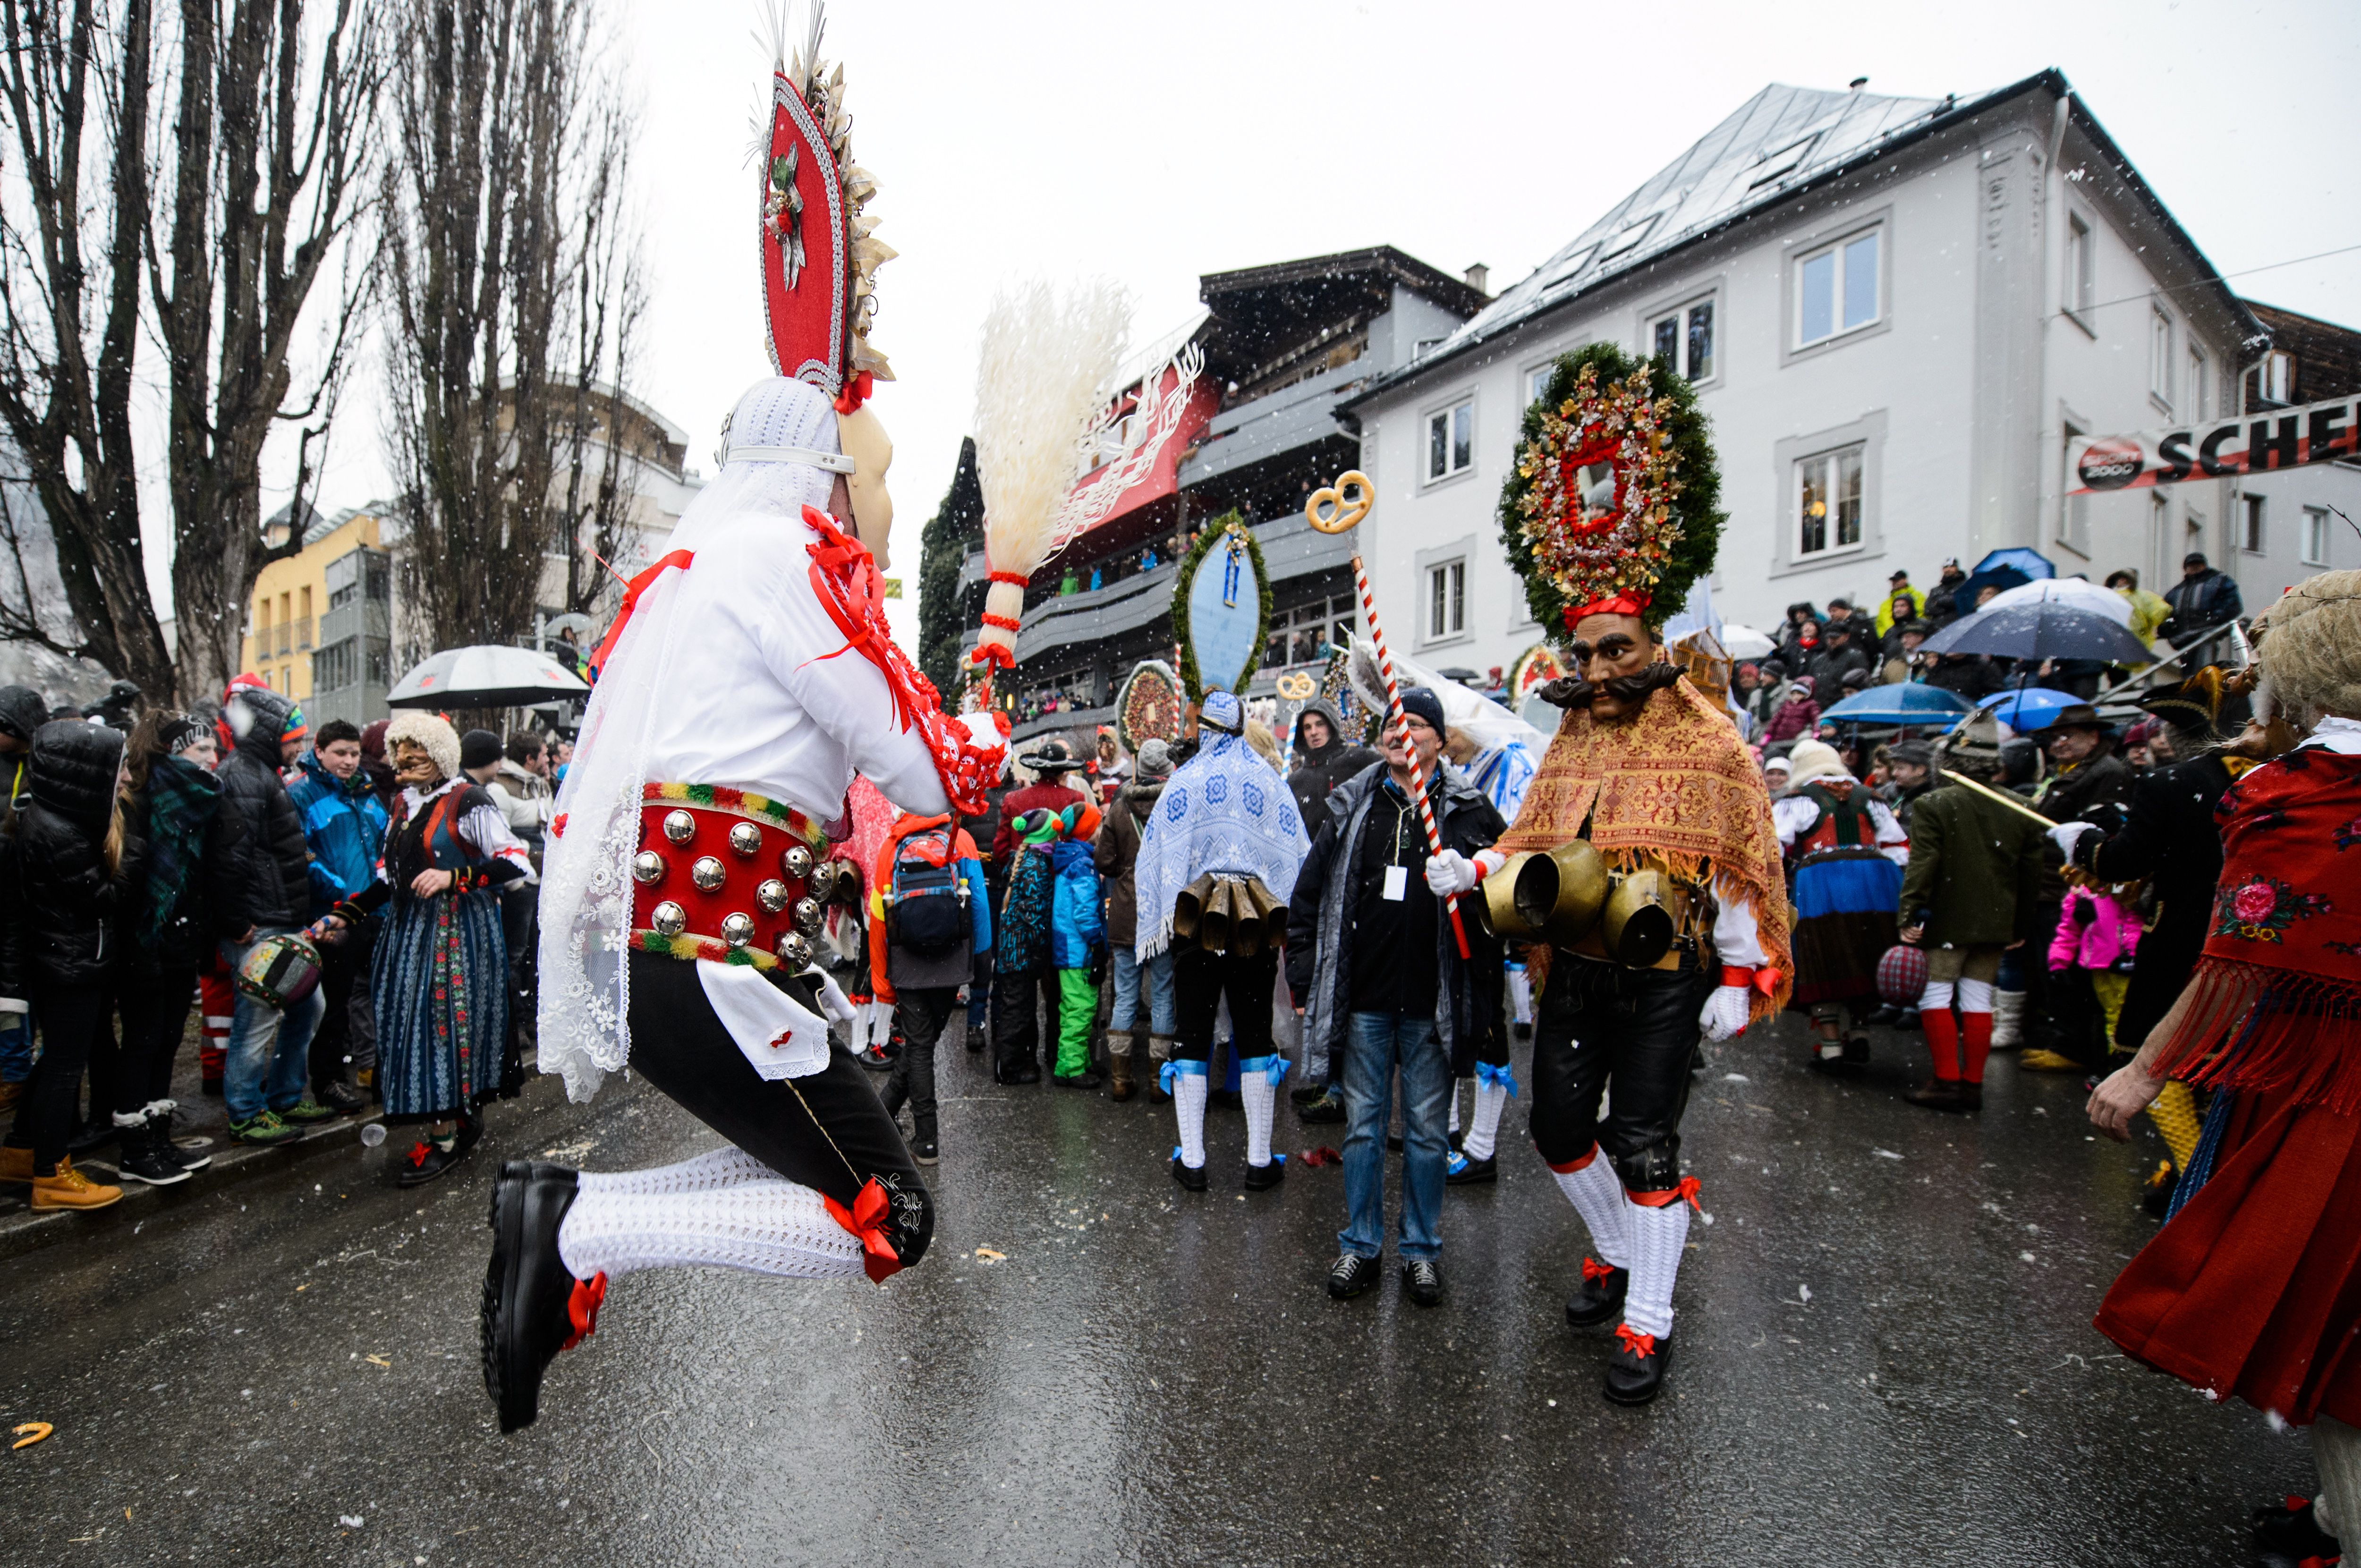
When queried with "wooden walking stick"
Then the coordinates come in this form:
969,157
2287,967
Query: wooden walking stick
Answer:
1330,510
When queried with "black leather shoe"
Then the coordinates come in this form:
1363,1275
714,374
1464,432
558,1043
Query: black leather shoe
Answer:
1013,1074
1087,1078
342,1096
1260,1177
99,1131
526,1317
1635,1368
1600,1296
1423,1282
1192,1177
1350,1275
1461,1171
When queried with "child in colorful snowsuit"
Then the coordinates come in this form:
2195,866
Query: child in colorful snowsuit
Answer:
2098,931
1077,939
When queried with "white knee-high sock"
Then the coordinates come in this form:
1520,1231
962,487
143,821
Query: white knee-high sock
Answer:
1188,1111
1598,1197
771,1226
2336,1450
723,1167
1255,1087
1454,1125
1484,1127
1657,1236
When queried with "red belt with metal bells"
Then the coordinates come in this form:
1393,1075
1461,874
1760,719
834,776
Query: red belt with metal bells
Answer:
727,875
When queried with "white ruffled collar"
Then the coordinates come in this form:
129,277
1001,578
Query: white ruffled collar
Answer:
2342,736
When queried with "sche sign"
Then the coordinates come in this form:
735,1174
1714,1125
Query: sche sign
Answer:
2258,444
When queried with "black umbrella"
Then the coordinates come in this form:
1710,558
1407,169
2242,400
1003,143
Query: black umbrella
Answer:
2044,630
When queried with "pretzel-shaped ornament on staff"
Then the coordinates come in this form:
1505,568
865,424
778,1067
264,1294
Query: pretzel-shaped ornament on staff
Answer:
1332,509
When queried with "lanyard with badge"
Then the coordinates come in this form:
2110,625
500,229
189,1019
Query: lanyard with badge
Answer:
1397,886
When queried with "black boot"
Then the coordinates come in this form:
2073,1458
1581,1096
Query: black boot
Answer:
159,1122
1635,1368
1600,1296
148,1157
528,1315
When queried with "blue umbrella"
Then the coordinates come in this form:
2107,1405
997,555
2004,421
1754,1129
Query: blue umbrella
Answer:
2003,569
1904,705
2035,707
2045,629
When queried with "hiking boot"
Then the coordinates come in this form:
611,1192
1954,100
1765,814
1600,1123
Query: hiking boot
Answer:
70,1189
148,1157
305,1111
1600,1294
265,1128
1350,1275
10,1093
532,1306
1328,1107
1635,1368
15,1164
1423,1282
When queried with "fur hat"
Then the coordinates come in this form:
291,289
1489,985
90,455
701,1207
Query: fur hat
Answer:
1814,760
430,734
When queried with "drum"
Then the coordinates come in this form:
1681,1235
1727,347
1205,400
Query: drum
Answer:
279,971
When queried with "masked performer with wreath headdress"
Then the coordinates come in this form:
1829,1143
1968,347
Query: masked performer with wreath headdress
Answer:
2253,1288
1610,515
748,676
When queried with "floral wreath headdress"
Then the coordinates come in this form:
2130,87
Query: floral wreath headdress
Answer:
1611,507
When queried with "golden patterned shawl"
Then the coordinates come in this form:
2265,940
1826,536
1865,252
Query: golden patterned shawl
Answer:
1674,786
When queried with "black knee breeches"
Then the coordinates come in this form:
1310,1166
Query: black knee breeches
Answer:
1626,1033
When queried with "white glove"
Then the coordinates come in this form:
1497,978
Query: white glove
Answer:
1724,1017
2067,833
1450,873
833,1002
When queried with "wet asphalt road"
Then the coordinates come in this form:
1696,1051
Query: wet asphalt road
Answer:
1884,1357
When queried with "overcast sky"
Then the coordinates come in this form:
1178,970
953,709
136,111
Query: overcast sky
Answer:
1156,143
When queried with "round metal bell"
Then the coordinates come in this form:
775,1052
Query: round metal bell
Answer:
668,919
679,826
795,951
647,868
772,895
737,929
709,873
745,840
808,916
796,862
821,884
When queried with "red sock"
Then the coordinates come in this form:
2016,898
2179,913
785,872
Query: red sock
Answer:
1943,1041
1976,1027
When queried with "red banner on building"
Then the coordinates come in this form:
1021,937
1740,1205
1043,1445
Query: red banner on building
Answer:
2255,443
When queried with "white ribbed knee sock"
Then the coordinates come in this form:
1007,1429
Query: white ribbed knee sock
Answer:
2336,1450
1188,1111
723,1167
1454,1125
1256,1089
1657,1236
1484,1127
770,1227
877,1026
1598,1197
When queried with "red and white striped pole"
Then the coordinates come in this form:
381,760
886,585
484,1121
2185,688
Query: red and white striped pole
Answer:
1330,523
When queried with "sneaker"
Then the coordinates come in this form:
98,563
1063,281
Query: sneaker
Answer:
1461,1171
264,1127
1306,1093
1329,1107
1192,1177
1422,1280
306,1110
532,1306
1635,1368
148,1157
926,1151
1600,1294
1350,1275
1261,1177
343,1098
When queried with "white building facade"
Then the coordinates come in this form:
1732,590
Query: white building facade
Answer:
1896,313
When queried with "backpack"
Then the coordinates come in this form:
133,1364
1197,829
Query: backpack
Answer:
925,907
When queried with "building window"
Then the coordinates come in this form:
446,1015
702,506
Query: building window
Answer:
1305,634
2073,511
2272,380
1685,338
1446,600
2160,358
2200,394
2250,532
1838,289
1450,440
2159,541
1537,380
2315,536
1828,503
2079,265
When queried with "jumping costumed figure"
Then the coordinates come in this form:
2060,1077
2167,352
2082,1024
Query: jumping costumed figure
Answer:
748,676
1644,866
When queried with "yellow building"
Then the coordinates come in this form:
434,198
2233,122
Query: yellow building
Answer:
281,620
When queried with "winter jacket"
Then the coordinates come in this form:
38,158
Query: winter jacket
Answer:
187,895
1830,665
1116,855
1017,802
1321,770
1942,608
58,926
1964,674
1904,594
2094,930
1076,926
272,860
1974,871
1320,928
523,798
344,830
1795,716
2201,602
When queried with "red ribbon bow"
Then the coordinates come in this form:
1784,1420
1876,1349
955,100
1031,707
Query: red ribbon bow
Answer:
582,1307
632,593
1594,1269
1635,1341
866,1220
844,577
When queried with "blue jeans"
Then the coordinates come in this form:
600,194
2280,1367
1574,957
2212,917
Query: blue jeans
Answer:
269,1052
16,1046
1378,1043
1128,970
